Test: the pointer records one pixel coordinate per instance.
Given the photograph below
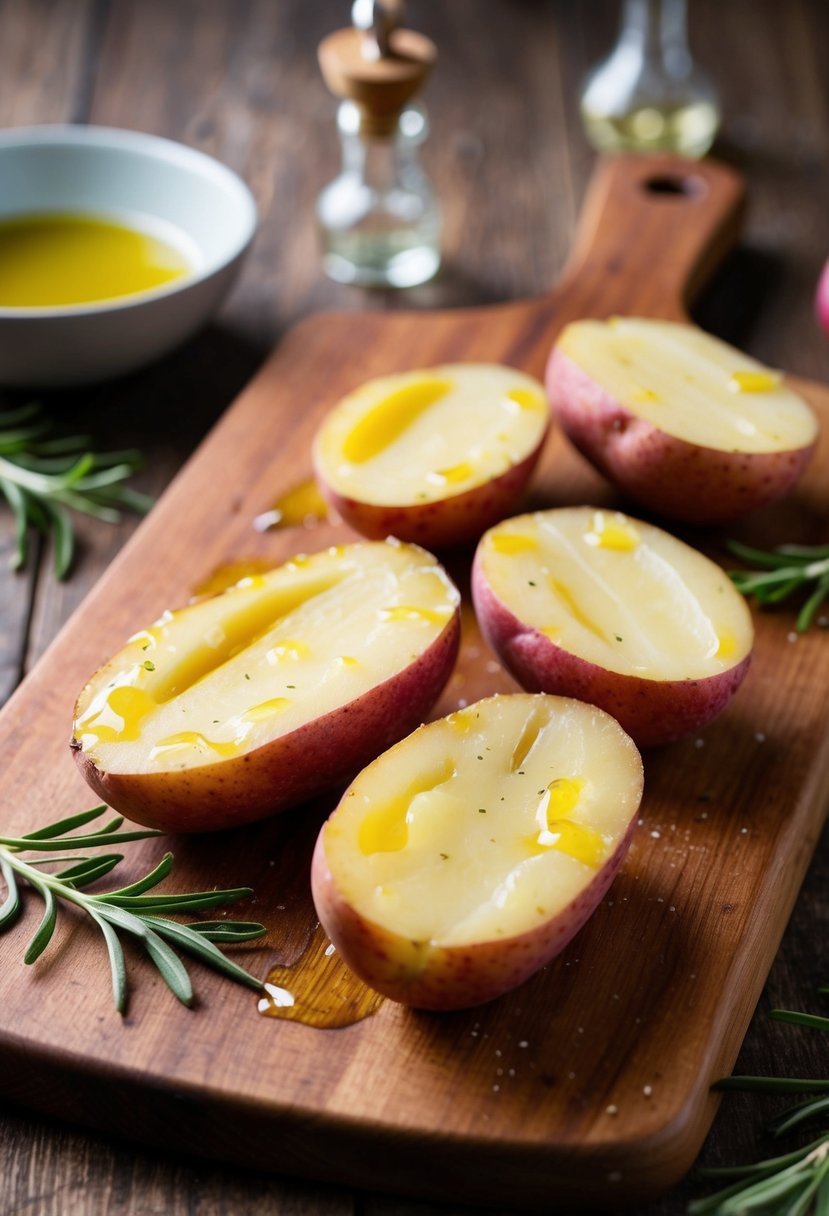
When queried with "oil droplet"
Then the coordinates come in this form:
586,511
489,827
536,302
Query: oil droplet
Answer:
612,532
385,828
563,796
318,990
560,832
391,417
526,399
119,719
288,650
461,721
726,645
579,842
406,612
232,573
265,710
453,475
513,542
187,739
301,506
754,382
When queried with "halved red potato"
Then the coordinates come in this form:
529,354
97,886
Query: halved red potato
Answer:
469,854
682,422
432,456
595,605
282,686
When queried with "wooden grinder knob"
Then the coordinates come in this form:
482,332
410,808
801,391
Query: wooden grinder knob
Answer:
378,83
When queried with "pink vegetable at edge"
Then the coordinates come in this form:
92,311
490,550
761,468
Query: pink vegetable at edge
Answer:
822,298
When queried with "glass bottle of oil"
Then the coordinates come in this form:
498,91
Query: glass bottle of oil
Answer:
379,220
649,95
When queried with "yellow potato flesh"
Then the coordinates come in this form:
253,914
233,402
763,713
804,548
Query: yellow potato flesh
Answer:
690,385
487,823
220,677
422,436
618,592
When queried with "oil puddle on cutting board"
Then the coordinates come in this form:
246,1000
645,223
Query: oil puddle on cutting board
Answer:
318,990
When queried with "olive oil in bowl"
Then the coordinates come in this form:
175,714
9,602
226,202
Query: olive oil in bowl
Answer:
56,260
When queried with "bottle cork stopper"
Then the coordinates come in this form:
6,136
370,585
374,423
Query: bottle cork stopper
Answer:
378,83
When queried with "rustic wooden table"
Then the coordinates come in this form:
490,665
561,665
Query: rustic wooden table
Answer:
510,162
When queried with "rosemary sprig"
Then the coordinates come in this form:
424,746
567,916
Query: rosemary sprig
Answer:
783,572
793,1185
43,478
127,909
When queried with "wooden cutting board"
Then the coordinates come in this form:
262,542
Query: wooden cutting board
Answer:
589,1086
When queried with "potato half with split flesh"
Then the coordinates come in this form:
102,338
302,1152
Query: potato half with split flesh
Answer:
468,855
596,605
283,686
432,456
682,422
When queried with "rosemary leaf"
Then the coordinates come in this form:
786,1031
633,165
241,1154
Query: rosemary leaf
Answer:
78,470
10,907
794,1185
117,964
43,477
784,571
822,1199
159,903
771,558
805,1112
805,1203
149,880
228,930
125,910
170,967
800,1019
16,498
89,505
66,825
71,842
62,535
132,500
46,927
51,861
771,1165
187,939
85,872
111,825
809,610
63,445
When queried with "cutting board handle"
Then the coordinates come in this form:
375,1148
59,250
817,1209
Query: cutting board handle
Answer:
659,223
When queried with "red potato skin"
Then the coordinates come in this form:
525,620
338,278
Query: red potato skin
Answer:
425,975
457,519
671,476
652,712
317,756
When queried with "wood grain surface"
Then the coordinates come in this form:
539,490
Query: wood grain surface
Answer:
240,81
560,1093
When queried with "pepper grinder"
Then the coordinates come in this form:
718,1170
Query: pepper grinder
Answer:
379,219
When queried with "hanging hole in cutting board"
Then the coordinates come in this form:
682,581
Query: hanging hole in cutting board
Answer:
686,187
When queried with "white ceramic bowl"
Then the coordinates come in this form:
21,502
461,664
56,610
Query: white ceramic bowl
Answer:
178,193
